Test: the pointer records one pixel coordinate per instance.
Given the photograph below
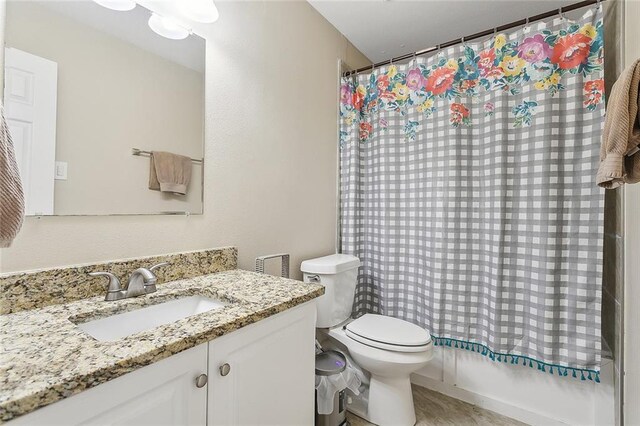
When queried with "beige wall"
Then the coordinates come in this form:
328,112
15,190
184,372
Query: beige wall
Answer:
271,137
112,96
631,251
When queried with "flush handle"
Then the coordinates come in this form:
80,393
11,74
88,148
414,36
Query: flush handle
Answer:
225,369
201,380
314,278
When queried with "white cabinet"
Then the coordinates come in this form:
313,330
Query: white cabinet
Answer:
269,381
263,374
163,393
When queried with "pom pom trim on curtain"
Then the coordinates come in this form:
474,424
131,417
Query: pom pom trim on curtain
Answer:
561,370
467,190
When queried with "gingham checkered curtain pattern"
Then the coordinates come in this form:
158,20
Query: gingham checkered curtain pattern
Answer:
468,193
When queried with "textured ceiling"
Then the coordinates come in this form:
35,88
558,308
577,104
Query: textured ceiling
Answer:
384,29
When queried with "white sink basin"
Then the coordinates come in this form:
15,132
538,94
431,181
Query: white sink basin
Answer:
122,325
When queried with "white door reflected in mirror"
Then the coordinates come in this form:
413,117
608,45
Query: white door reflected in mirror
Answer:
30,96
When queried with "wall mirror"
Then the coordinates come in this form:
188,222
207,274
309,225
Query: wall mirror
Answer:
85,87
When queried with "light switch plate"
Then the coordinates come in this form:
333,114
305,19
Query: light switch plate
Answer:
61,170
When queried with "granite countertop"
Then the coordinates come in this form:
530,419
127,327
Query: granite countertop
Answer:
44,357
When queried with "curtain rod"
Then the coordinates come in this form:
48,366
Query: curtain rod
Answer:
453,42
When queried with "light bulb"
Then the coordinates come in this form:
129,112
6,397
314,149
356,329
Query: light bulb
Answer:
119,5
204,11
167,27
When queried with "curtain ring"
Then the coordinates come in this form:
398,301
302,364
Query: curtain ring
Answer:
526,25
560,13
415,59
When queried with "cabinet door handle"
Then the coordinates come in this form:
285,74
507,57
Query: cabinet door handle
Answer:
225,369
201,380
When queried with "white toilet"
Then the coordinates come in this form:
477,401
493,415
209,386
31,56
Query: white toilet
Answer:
390,349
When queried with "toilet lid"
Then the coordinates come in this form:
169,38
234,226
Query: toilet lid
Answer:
388,333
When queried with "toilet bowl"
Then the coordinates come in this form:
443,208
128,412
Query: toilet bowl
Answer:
388,348
389,363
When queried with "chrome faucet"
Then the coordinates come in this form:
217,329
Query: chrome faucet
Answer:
141,281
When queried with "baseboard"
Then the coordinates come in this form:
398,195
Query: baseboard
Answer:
481,401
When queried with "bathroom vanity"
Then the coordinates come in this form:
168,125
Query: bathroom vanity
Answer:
248,361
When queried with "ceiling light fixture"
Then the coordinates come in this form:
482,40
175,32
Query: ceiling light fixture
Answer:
167,27
119,5
204,11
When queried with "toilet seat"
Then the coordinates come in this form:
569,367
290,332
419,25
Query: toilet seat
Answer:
388,333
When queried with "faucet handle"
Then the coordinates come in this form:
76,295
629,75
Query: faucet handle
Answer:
150,285
159,265
113,293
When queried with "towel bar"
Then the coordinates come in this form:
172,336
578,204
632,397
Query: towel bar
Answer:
141,152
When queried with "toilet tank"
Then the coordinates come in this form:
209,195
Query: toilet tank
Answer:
338,273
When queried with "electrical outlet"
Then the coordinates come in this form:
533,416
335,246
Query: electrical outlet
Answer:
61,170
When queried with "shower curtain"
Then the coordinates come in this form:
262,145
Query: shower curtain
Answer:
467,190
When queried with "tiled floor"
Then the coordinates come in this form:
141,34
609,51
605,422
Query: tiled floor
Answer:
433,408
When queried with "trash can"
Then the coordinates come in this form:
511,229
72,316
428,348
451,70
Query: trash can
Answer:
331,407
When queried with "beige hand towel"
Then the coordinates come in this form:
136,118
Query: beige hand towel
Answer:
619,156
11,195
169,172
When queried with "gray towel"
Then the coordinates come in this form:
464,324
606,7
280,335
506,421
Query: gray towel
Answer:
11,194
169,172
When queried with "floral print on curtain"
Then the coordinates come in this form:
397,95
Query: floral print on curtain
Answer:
467,190
540,59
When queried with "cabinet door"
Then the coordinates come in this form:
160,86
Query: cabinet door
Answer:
270,379
163,393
